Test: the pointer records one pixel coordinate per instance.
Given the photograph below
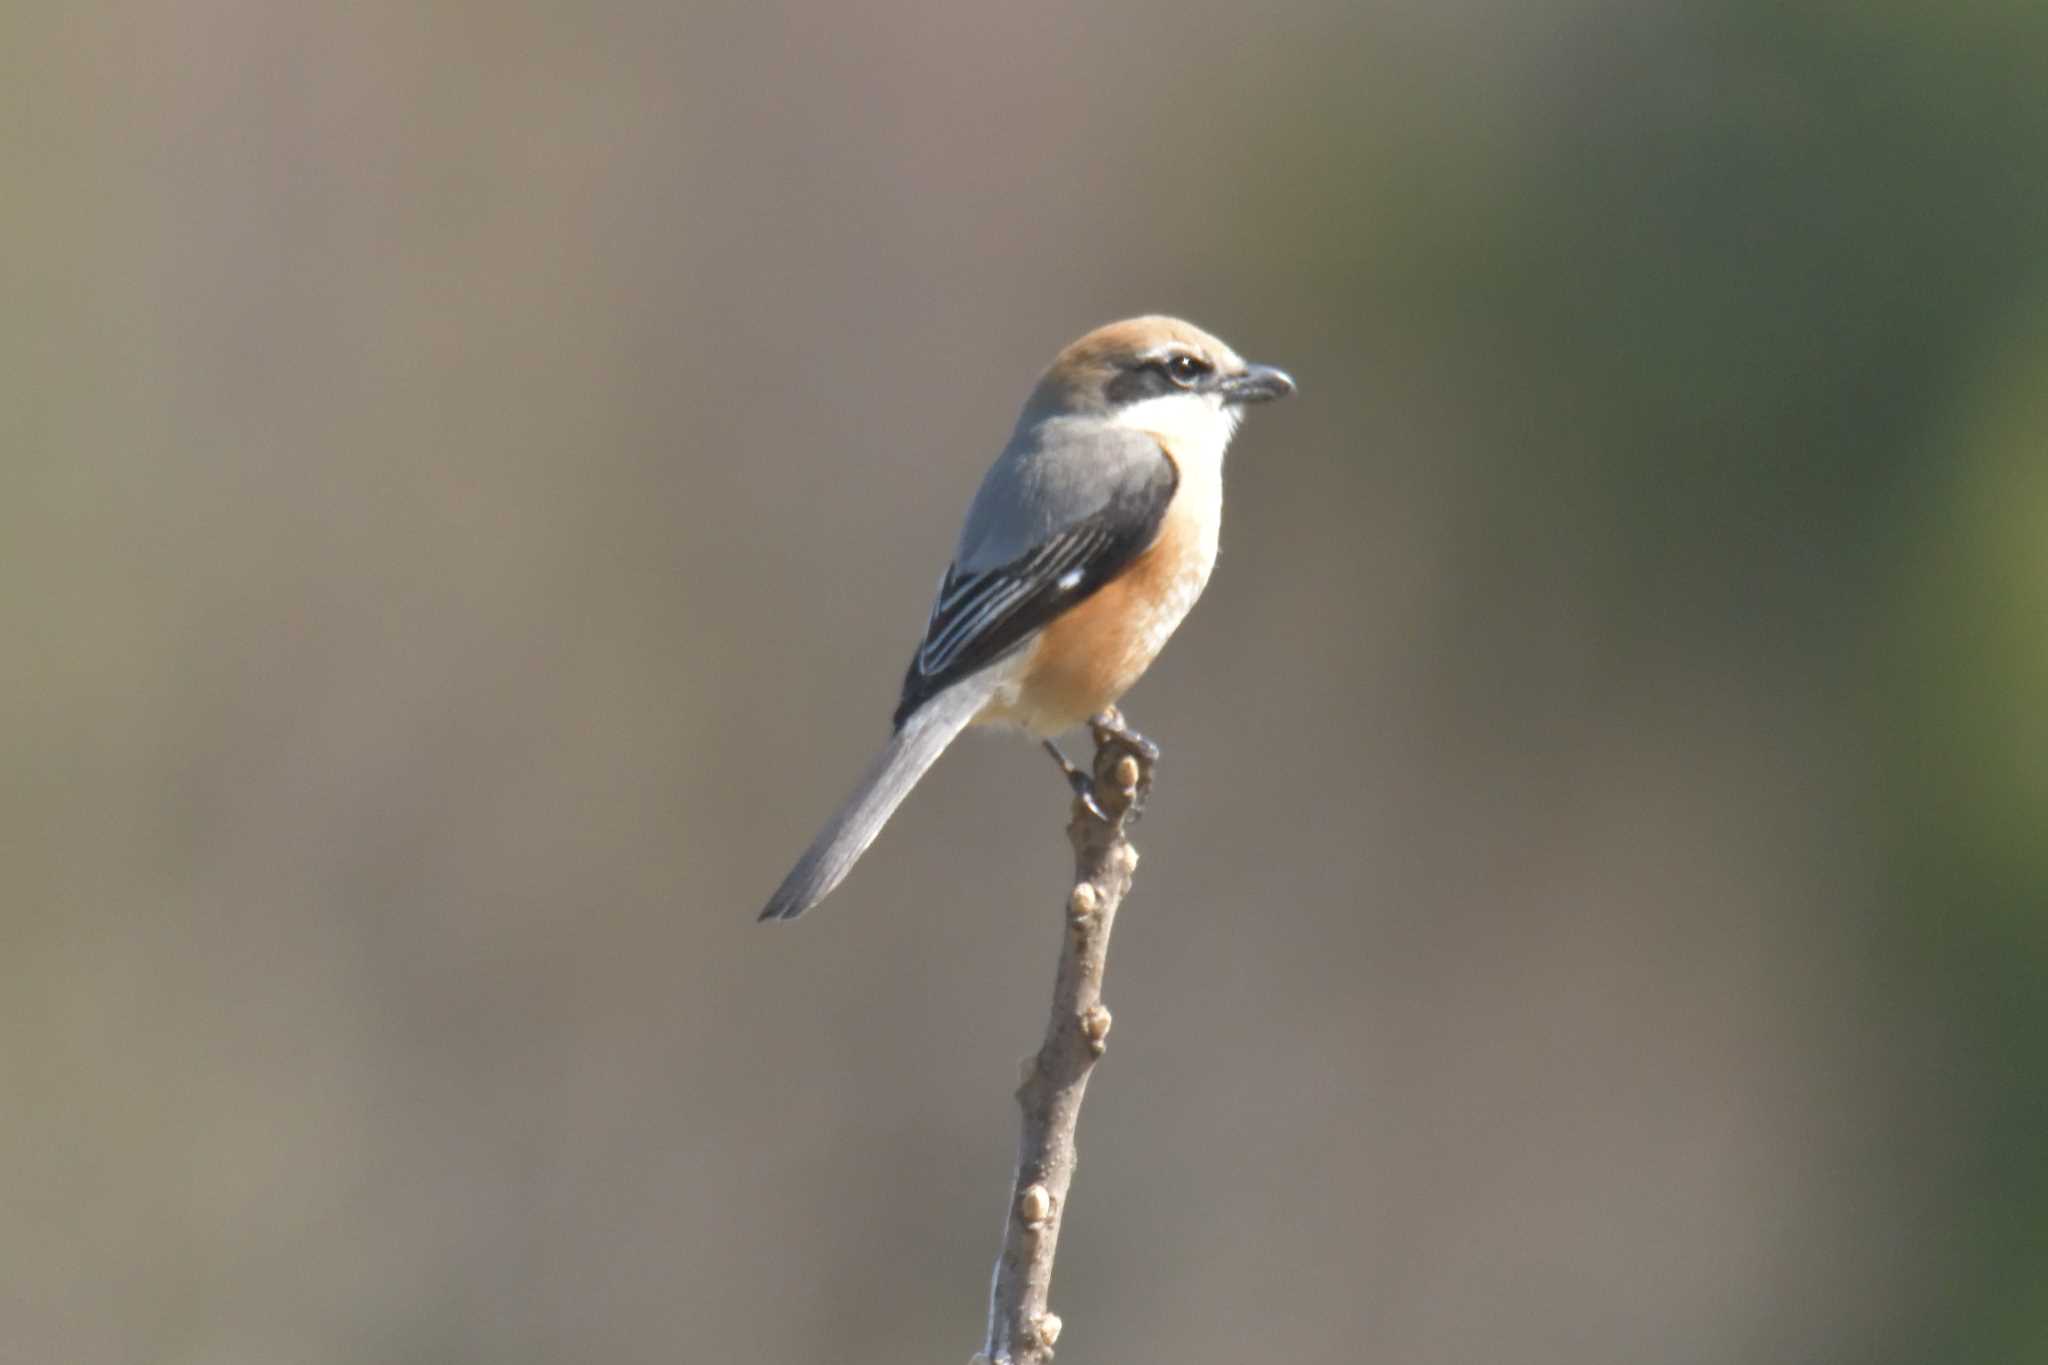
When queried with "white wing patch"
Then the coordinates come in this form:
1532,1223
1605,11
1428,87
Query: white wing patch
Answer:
970,605
987,608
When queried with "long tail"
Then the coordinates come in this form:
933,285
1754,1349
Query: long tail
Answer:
912,750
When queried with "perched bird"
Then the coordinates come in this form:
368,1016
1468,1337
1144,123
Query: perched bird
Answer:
1091,537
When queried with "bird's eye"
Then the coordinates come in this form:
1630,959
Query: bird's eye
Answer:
1185,370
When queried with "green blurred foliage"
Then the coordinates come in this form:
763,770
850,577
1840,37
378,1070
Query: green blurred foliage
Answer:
1962,743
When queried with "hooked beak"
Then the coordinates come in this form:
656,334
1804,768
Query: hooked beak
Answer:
1258,384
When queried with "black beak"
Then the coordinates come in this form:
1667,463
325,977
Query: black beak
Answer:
1258,384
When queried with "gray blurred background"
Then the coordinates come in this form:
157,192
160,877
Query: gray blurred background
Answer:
470,476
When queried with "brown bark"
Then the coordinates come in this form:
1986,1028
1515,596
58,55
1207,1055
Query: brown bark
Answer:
1021,1329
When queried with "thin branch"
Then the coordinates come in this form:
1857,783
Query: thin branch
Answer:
1021,1330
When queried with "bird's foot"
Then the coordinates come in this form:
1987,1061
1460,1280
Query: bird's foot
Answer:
1081,782
1110,724
1132,769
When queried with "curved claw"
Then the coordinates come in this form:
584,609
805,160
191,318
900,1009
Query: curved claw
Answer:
1084,789
1081,782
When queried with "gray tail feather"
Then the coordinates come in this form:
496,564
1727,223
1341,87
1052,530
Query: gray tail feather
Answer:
911,751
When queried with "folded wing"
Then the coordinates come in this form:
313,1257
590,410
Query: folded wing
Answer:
1112,509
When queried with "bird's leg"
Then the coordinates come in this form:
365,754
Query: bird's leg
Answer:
1081,782
1109,727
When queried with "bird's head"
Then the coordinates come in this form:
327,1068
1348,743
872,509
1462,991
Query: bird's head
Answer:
1156,374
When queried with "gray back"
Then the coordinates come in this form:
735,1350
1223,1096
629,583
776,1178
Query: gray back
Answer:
1054,473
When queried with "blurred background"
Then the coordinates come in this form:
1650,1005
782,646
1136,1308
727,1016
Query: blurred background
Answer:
471,475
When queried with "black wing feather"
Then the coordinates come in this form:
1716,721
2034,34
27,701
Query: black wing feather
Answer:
980,617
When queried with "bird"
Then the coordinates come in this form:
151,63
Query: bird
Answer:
1086,545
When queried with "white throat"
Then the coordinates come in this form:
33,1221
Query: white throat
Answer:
1197,427
1195,430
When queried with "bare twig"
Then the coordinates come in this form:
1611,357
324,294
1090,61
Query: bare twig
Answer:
1021,1330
